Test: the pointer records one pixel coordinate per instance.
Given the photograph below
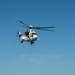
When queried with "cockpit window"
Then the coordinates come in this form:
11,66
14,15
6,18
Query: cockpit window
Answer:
34,33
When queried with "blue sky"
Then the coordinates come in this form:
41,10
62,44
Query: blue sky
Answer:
53,53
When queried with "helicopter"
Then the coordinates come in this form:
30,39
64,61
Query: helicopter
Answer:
30,35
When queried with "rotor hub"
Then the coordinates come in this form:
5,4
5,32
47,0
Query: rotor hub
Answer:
30,26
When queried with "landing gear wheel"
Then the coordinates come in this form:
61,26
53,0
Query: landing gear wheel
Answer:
31,42
22,41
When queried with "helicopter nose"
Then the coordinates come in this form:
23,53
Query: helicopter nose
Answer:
35,36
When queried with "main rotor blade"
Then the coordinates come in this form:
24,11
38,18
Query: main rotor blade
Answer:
23,23
15,24
46,30
43,27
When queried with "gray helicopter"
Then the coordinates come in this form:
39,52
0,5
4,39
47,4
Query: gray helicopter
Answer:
30,35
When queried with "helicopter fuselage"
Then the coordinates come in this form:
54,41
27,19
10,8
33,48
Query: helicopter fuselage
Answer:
30,37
